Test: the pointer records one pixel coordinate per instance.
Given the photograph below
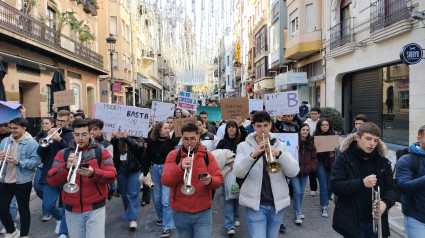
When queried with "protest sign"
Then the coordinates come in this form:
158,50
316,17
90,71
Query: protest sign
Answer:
255,105
284,103
180,122
326,143
134,120
214,113
291,141
9,111
187,101
233,107
161,111
64,98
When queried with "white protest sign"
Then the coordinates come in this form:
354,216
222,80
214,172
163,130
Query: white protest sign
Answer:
291,141
284,103
134,120
255,104
161,111
187,101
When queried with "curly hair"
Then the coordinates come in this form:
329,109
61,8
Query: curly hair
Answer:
156,131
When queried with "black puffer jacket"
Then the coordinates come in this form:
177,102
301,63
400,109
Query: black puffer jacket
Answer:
135,150
347,185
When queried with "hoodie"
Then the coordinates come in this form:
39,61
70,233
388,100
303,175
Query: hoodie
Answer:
312,124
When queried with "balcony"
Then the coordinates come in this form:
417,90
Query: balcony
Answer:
148,58
342,33
29,30
384,13
90,7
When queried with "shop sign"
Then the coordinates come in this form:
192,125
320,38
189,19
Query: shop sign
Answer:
297,78
411,54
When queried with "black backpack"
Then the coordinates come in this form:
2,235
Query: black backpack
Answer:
179,156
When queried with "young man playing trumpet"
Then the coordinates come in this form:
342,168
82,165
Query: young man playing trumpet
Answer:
85,204
264,193
20,164
192,209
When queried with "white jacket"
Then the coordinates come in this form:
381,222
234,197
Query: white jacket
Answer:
250,193
312,124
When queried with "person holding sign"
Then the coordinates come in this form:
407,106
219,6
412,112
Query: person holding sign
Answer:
326,160
307,159
359,170
128,153
265,195
158,148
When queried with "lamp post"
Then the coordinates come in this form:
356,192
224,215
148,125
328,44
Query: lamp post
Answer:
111,48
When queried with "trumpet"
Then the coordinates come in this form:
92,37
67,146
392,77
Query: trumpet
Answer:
150,183
376,212
71,186
188,188
8,147
44,142
272,165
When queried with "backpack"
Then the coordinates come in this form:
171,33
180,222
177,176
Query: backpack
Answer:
98,152
414,168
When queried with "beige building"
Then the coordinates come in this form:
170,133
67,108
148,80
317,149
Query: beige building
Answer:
364,73
37,40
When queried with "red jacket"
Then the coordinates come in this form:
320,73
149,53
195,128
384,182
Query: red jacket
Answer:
172,177
93,190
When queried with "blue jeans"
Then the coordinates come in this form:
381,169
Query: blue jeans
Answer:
264,223
129,186
298,184
193,224
414,228
231,211
38,187
87,224
50,196
161,197
324,183
63,229
367,230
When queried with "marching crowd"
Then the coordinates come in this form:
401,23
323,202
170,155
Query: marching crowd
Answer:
73,163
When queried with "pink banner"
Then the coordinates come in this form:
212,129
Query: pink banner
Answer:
117,87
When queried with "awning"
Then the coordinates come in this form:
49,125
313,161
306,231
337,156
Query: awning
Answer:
150,83
264,84
26,62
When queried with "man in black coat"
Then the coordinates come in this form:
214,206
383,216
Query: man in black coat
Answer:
361,167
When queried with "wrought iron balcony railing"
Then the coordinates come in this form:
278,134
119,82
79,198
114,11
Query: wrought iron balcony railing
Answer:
89,7
342,33
22,24
387,12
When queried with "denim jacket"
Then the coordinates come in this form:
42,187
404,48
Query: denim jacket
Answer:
28,159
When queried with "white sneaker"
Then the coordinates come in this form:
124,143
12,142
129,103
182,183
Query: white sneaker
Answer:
298,219
58,226
3,231
15,234
63,236
133,225
313,193
237,223
325,212
46,218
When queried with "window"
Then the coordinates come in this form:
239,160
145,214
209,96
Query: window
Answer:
228,60
124,61
51,18
274,37
404,99
48,97
76,88
127,31
228,80
115,61
293,26
129,63
309,18
113,25
123,30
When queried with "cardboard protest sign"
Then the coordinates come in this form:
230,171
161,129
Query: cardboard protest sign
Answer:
161,111
214,113
9,111
284,103
233,107
134,120
255,105
291,141
180,122
326,143
64,98
187,101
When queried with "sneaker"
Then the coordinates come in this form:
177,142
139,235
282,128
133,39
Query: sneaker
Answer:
282,228
3,231
231,232
166,233
159,222
58,225
133,225
63,236
46,218
15,234
237,223
298,220
313,193
325,212
302,215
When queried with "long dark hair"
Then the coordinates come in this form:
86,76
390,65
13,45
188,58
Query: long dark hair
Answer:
308,143
123,148
232,123
319,131
156,132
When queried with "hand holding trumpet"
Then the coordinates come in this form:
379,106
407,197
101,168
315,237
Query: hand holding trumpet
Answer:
187,163
72,159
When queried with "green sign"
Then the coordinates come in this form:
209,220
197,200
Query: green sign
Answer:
214,113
